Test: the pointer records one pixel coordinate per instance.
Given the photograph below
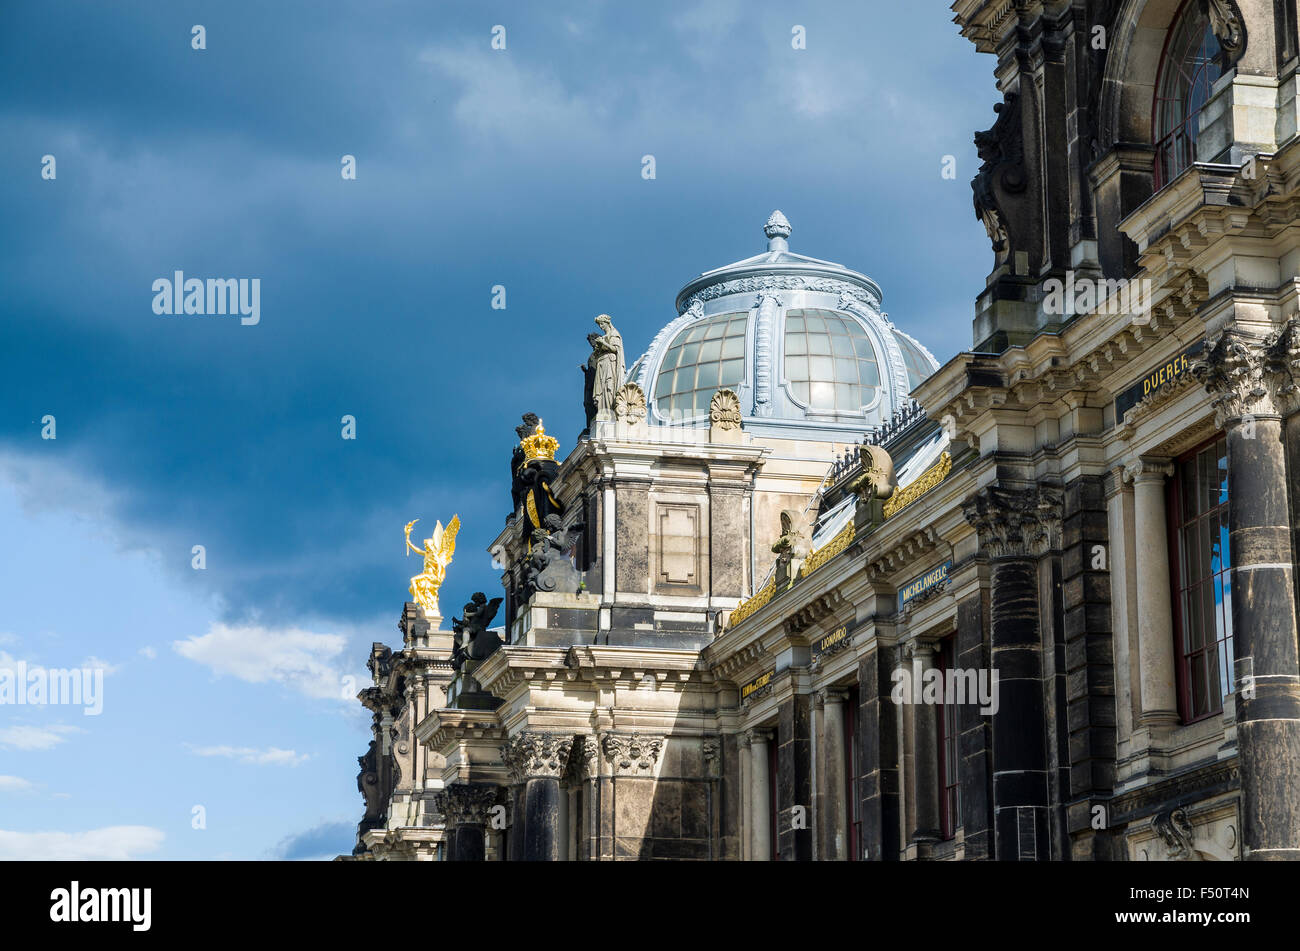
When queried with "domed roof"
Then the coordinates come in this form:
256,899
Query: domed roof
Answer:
802,341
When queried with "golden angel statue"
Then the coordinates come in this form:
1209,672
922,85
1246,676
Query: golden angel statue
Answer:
437,554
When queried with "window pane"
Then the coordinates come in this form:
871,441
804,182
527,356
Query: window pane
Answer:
710,350
734,346
841,346
796,343
731,370
869,372
819,344
823,395
796,368
708,378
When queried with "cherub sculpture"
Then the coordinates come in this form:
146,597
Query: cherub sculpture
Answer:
473,639
437,554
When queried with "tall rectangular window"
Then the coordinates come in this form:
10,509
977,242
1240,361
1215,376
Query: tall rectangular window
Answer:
1201,573
949,781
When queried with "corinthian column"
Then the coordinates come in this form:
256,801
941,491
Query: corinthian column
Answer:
464,808
1015,528
536,762
1247,379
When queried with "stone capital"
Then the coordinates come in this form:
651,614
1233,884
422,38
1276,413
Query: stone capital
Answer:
632,754
1148,469
1241,378
465,803
1015,523
533,755
831,696
758,736
1282,355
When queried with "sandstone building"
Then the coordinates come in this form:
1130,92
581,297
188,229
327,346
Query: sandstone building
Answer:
1044,610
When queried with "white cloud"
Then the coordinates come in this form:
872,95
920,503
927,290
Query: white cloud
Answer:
35,737
7,638
15,784
112,843
148,652
98,663
290,656
271,756
501,99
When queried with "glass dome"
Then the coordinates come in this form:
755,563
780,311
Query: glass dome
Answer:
699,360
803,343
829,361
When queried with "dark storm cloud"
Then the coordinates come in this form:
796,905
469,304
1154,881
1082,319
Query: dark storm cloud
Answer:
325,840
475,168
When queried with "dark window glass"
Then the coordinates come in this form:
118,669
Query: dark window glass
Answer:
1188,71
1202,579
949,773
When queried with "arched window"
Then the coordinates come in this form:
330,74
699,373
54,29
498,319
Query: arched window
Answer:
1188,71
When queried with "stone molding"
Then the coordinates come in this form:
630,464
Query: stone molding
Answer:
1015,523
632,754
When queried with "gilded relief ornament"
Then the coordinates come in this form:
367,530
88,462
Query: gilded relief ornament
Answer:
437,554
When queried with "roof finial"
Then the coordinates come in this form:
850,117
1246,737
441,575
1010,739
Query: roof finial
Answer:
777,230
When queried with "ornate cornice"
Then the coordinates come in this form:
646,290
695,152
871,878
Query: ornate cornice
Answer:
820,556
923,483
746,608
465,803
1015,523
631,754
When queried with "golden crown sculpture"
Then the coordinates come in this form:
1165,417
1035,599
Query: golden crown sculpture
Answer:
539,446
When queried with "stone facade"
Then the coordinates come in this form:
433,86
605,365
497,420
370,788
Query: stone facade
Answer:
1070,633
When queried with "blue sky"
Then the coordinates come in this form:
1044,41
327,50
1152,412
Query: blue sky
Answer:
228,688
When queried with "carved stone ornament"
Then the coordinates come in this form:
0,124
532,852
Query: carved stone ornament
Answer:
631,754
786,282
724,410
1001,176
1229,28
629,404
1015,523
465,803
531,755
1235,372
1282,356
1176,829
580,763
